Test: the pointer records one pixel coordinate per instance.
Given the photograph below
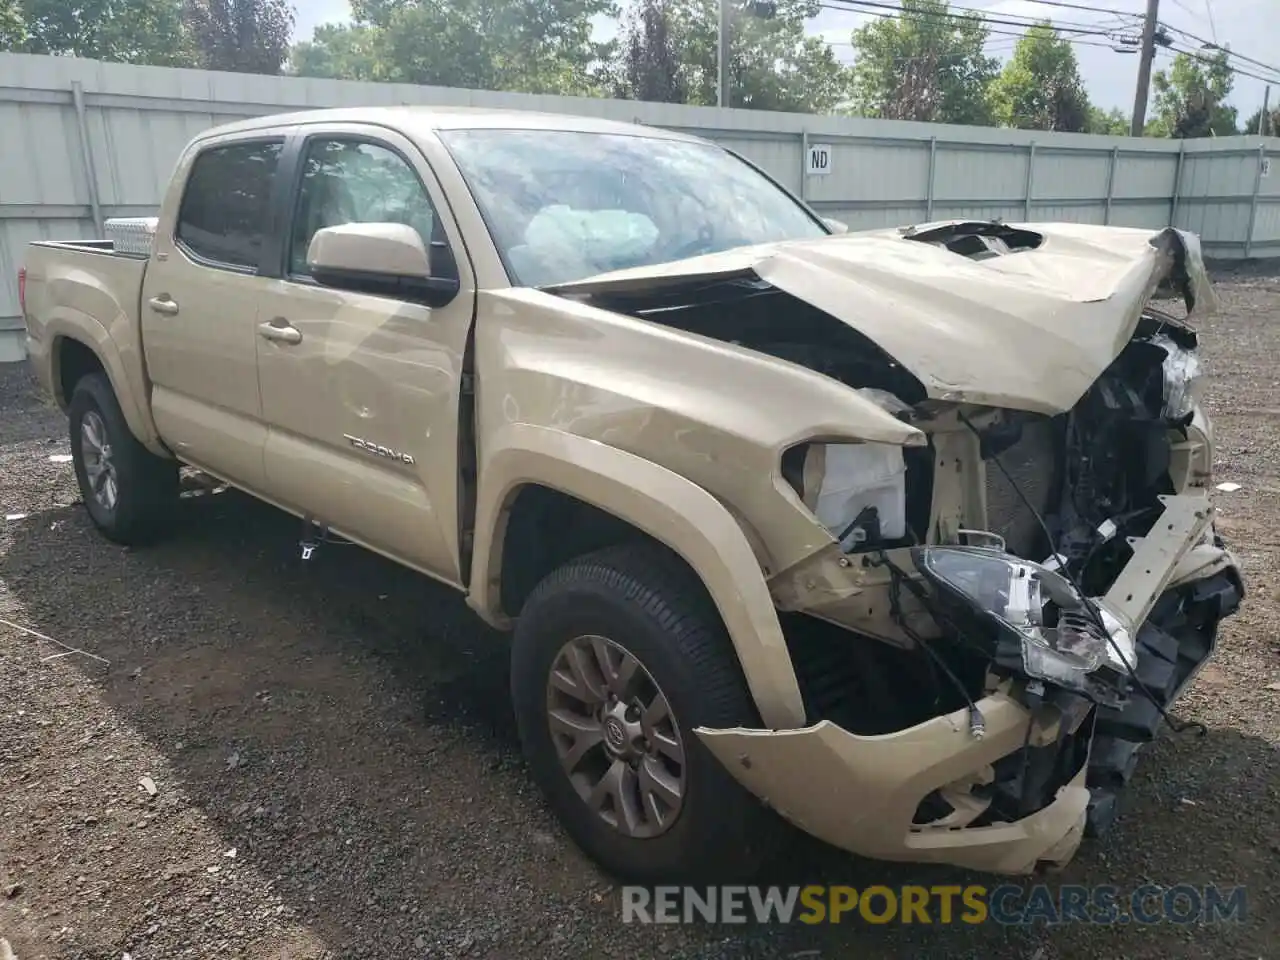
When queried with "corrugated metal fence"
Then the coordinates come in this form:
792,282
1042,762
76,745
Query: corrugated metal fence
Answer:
82,140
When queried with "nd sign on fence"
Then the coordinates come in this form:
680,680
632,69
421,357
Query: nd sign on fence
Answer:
818,162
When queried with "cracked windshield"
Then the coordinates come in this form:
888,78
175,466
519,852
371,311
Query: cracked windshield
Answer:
563,205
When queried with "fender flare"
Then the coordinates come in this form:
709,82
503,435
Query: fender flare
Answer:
93,335
666,506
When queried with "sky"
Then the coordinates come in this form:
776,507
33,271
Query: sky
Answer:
1248,26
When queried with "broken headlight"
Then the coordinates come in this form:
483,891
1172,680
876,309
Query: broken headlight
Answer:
1181,378
1042,627
857,490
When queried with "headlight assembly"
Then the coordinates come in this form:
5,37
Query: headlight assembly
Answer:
1041,626
1181,378
857,491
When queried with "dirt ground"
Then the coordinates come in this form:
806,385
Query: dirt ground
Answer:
336,774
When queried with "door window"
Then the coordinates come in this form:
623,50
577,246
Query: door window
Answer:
351,181
223,216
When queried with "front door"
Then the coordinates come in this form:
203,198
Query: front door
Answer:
200,307
360,393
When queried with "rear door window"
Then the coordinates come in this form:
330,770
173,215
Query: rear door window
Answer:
226,204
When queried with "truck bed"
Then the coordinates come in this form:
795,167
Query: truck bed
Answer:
100,247
90,288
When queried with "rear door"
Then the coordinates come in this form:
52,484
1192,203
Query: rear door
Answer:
361,392
200,303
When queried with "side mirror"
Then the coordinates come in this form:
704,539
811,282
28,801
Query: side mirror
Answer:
835,226
387,259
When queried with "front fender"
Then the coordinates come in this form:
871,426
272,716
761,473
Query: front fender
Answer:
718,414
666,506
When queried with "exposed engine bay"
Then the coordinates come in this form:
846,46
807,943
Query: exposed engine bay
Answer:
990,571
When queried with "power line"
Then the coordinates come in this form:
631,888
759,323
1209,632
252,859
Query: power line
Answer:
1117,19
999,46
1229,52
1194,55
1065,35
895,12
1074,36
1085,7
1173,51
970,14
1208,9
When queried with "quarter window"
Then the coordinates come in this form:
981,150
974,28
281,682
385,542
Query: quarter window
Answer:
351,181
223,217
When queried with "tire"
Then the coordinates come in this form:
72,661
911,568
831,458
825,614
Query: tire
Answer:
645,602
145,486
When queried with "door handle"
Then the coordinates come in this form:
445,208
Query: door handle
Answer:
164,305
282,332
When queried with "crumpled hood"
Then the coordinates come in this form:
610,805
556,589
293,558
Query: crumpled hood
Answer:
1029,329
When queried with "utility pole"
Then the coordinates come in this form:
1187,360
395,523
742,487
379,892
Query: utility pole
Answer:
722,56
1144,70
1264,119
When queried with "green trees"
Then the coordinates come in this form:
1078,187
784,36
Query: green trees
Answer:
1190,95
773,65
925,65
339,52
13,28
531,46
245,35
1254,123
1112,123
249,36
650,65
925,61
1040,87
128,31
666,50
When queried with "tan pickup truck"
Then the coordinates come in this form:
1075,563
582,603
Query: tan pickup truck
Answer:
903,535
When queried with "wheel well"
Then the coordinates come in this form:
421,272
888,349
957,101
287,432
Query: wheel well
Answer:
74,362
547,528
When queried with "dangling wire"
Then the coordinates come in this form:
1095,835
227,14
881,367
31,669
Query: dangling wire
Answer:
977,725
1176,726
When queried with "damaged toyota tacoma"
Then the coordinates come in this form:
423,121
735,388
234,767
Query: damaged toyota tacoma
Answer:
902,536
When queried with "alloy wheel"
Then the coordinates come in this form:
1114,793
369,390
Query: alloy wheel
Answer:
616,736
99,468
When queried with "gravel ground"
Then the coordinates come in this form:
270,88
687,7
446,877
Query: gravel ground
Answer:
335,770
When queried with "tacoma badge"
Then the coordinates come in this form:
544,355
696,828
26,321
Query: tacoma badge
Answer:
377,449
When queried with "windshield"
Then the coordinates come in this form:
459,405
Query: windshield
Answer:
563,205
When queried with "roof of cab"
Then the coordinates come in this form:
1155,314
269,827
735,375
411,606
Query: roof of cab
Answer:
410,120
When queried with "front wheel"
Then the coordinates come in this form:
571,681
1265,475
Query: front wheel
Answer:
128,491
618,658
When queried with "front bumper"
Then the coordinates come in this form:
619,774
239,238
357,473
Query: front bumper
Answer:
865,793
861,793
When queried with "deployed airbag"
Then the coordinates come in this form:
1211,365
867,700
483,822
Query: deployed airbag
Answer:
562,239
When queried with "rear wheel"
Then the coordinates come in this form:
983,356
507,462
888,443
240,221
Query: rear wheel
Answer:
618,658
128,491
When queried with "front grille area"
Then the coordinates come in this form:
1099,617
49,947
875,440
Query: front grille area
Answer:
1032,462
